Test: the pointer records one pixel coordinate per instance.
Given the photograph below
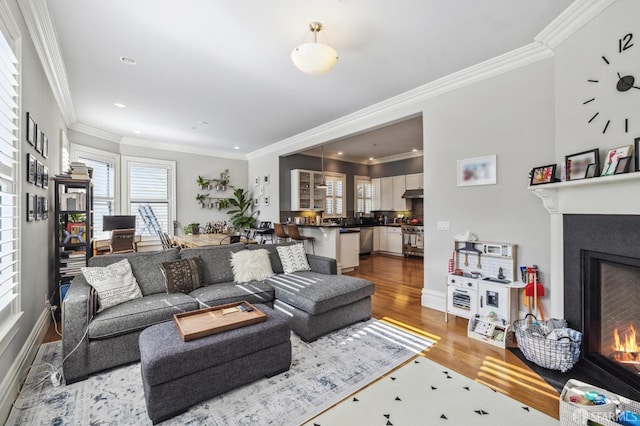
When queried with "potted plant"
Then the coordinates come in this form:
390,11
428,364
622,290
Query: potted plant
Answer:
241,205
201,198
191,228
223,203
203,183
221,184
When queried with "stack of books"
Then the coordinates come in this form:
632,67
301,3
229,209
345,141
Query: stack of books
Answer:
80,171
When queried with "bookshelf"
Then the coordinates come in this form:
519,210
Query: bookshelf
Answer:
73,212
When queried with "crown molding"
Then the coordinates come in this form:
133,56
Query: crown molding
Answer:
93,131
187,149
395,157
410,100
43,34
577,15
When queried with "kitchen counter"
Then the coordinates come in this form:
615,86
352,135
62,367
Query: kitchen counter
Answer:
335,242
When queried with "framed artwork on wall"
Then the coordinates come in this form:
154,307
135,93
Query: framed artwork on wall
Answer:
45,208
477,171
577,164
31,208
39,171
45,177
38,201
31,168
32,130
45,146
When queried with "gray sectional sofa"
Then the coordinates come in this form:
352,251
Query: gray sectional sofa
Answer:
317,302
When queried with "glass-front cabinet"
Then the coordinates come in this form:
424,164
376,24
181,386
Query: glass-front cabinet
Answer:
305,194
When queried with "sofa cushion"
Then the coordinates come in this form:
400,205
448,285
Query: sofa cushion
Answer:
251,265
223,293
276,264
317,293
114,284
138,314
182,275
217,261
293,258
145,267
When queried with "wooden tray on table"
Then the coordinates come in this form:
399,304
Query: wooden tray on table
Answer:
205,322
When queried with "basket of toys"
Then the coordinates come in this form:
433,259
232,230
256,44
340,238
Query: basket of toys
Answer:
550,344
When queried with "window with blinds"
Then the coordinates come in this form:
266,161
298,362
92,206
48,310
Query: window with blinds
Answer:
334,201
150,193
103,188
364,194
9,191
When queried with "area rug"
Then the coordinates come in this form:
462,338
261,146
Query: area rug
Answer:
423,392
322,373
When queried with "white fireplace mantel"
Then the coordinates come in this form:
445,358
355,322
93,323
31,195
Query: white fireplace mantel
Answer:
617,194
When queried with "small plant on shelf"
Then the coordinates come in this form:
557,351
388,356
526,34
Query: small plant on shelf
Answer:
223,182
191,228
203,183
201,198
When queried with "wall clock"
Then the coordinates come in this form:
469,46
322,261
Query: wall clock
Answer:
618,80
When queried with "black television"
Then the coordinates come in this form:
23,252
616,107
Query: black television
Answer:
109,223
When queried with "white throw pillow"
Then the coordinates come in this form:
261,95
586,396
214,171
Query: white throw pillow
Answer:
114,284
293,258
251,265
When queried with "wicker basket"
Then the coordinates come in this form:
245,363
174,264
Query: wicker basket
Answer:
548,353
572,414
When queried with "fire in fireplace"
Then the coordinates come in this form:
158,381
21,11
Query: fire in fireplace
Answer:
625,349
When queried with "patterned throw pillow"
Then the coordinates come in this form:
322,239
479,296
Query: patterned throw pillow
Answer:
184,275
114,284
251,265
293,258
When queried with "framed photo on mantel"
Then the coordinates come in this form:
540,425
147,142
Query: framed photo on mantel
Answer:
543,174
578,164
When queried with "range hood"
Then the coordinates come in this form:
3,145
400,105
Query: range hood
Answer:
412,193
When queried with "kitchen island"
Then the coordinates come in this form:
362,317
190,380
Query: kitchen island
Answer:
342,244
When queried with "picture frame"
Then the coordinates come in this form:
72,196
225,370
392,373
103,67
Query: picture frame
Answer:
32,130
576,165
266,200
261,190
623,165
612,158
38,144
257,181
31,212
38,203
31,168
39,172
592,170
45,177
636,151
256,202
477,171
266,179
45,208
543,174
45,146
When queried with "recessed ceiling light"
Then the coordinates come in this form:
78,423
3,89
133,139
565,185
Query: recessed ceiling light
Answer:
339,152
137,132
119,105
370,158
236,147
203,123
128,61
414,150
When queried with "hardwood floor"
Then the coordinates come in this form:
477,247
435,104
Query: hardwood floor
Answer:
399,282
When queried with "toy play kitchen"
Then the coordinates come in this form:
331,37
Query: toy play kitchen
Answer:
483,287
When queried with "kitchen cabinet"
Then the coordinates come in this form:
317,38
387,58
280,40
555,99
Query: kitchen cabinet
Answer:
376,238
414,181
305,194
386,193
394,240
398,188
375,190
349,250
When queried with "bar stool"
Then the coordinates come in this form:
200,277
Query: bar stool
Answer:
281,234
294,234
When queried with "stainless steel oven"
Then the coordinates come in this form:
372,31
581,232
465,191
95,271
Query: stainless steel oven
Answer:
413,240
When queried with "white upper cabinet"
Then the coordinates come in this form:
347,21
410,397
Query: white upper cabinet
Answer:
414,181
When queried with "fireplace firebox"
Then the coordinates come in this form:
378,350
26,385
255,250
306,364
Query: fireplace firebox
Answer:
611,317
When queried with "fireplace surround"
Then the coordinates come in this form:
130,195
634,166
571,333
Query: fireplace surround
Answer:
598,249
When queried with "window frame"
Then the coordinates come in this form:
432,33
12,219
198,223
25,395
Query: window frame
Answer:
127,162
357,179
342,177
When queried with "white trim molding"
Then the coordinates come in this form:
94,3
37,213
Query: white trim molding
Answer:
434,299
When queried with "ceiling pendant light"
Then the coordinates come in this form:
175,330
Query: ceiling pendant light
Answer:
314,58
323,185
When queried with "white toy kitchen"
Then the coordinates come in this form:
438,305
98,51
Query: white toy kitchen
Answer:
484,288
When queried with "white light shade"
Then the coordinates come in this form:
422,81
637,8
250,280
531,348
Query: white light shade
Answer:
314,58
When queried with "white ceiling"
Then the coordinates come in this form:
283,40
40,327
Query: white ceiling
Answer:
227,63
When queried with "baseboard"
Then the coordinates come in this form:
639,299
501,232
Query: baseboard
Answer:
434,299
10,386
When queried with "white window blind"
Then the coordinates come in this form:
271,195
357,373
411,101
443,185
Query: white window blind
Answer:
334,202
150,194
364,194
9,190
103,189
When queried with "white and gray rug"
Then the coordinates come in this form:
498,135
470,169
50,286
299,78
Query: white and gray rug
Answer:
322,373
423,392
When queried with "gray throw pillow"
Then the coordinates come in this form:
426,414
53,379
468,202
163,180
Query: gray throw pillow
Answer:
182,276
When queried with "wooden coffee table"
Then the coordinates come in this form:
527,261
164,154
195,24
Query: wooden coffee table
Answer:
216,319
